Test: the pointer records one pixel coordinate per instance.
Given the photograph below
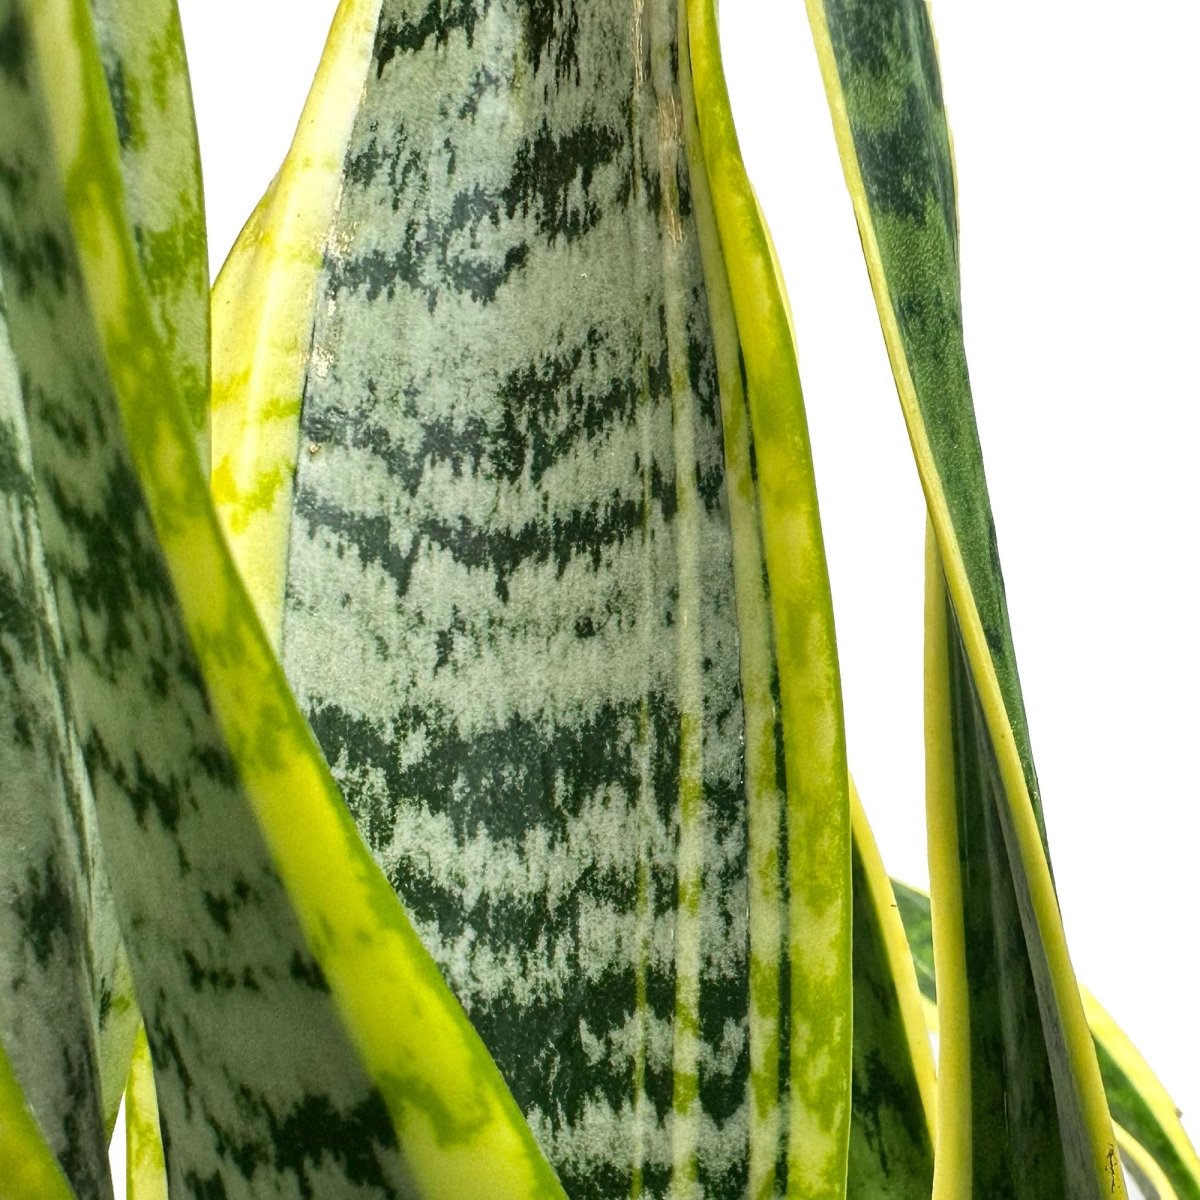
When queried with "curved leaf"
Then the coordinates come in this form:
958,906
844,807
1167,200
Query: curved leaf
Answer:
880,69
1142,1169
274,982
817,917
892,1126
1140,1103
1145,1115
49,960
264,307
145,67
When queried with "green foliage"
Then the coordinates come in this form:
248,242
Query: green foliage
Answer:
429,727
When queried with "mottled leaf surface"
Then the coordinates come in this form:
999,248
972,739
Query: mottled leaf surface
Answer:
509,608
992,884
49,1017
798,806
264,307
145,68
517,586
253,915
892,1116
1142,1109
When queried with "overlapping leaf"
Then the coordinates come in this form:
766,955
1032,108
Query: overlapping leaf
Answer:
145,68
51,940
518,571
278,931
892,1126
264,308
1149,1132
1020,1098
784,604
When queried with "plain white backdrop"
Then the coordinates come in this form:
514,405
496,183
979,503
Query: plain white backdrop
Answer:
1074,126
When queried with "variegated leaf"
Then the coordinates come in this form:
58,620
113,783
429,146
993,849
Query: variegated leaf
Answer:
1019,1074
145,67
264,308
892,1123
49,964
1148,1125
515,581
273,965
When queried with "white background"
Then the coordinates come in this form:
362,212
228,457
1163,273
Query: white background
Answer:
1074,125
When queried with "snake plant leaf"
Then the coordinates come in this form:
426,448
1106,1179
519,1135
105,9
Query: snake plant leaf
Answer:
145,1157
264,308
1142,1170
1140,1103
145,67
142,52
516,581
879,64
49,966
1144,1113
892,1126
1013,1101
27,1164
770,477
274,981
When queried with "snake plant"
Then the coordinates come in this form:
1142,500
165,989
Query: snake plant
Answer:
422,760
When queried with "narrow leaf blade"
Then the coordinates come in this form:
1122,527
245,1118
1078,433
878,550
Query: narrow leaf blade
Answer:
228,809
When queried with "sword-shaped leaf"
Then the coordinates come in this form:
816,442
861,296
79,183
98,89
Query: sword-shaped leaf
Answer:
264,308
145,67
892,1126
51,960
890,1137
880,70
513,523
1144,1112
1013,1099
303,1042
804,855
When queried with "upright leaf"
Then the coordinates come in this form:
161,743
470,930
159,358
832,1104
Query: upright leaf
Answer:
303,1042
49,1007
264,308
892,1123
520,592
1147,1122
993,894
801,870
145,67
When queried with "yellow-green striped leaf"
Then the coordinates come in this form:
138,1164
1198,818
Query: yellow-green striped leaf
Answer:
145,1158
264,308
522,587
892,1123
993,894
53,942
303,1042
145,68
793,703
1148,1125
